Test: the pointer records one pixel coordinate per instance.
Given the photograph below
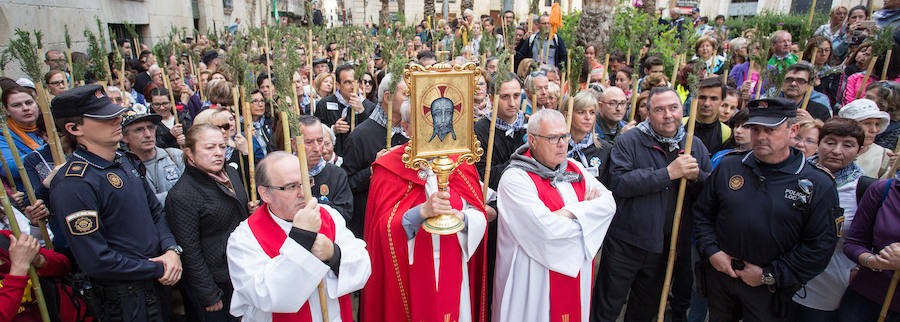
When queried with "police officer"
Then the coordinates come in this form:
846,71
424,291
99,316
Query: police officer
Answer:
766,221
111,219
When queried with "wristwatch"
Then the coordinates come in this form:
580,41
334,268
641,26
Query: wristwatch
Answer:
175,248
768,278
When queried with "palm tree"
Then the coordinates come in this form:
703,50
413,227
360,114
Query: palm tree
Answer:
429,9
385,7
596,18
401,9
466,4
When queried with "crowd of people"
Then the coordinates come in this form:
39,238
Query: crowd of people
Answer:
173,203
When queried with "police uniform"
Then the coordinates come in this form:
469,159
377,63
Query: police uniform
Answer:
111,219
781,217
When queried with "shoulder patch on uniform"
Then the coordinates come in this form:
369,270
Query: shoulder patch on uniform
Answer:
82,222
76,169
820,167
114,180
736,182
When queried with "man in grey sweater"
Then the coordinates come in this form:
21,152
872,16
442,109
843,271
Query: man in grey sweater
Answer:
163,166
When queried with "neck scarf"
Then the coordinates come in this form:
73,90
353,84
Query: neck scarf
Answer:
848,174
318,168
520,161
509,129
884,17
21,132
580,145
380,116
672,143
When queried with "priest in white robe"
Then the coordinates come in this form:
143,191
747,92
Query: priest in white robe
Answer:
552,221
280,254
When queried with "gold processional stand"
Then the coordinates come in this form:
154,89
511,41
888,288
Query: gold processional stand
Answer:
441,114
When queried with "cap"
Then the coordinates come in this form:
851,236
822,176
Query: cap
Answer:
771,112
131,117
27,83
88,101
864,109
320,61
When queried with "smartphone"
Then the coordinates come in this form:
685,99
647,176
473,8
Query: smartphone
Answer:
866,24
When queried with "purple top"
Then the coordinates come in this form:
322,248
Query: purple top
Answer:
874,227
739,73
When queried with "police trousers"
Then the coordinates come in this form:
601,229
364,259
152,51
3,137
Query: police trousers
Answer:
138,301
732,300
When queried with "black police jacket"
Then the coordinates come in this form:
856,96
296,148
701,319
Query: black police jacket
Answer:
780,217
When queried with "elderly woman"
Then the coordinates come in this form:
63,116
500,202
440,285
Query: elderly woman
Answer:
235,141
24,127
328,147
887,95
202,229
706,47
584,146
739,51
873,159
839,145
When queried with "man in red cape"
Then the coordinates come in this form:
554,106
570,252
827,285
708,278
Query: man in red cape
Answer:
402,286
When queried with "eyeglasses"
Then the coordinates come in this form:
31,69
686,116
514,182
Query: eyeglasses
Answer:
799,81
616,104
226,126
56,83
538,73
555,139
258,101
290,187
160,104
368,82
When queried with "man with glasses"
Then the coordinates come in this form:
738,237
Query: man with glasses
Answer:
647,165
164,166
335,110
797,80
610,120
329,182
55,60
781,50
554,218
541,49
278,256
767,221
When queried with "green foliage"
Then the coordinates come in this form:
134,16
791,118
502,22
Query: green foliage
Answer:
67,36
96,54
27,52
502,74
395,68
767,23
4,60
882,41
576,54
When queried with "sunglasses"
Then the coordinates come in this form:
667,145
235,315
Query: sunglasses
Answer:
226,126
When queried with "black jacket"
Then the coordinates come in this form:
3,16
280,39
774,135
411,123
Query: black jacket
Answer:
504,146
330,187
362,146
596,156
202,214
645,196
164,137
329,111
756,212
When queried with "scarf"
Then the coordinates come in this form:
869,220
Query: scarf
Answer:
528,164
220,177
22,132
672,143
380,116
580,145
507,128
848,174
260,132
317,168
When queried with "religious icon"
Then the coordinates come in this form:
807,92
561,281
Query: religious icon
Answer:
442,99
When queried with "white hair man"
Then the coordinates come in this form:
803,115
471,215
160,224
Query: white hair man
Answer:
552,223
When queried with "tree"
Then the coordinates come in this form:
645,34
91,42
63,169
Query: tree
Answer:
401,9
650,7
596,19
429,9
466,4
384,13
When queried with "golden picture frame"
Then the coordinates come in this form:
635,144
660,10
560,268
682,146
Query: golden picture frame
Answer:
441,112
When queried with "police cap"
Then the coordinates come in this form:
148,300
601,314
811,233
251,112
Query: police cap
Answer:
88,101
771,112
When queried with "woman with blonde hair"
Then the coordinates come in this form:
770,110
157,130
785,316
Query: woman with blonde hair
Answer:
584,146
324,86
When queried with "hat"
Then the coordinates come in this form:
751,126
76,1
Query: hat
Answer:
27,83
131,117
320,61
210,56
88,101
771,112
863,109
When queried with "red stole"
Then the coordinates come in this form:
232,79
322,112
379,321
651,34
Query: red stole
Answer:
565,291
444,295
271,237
